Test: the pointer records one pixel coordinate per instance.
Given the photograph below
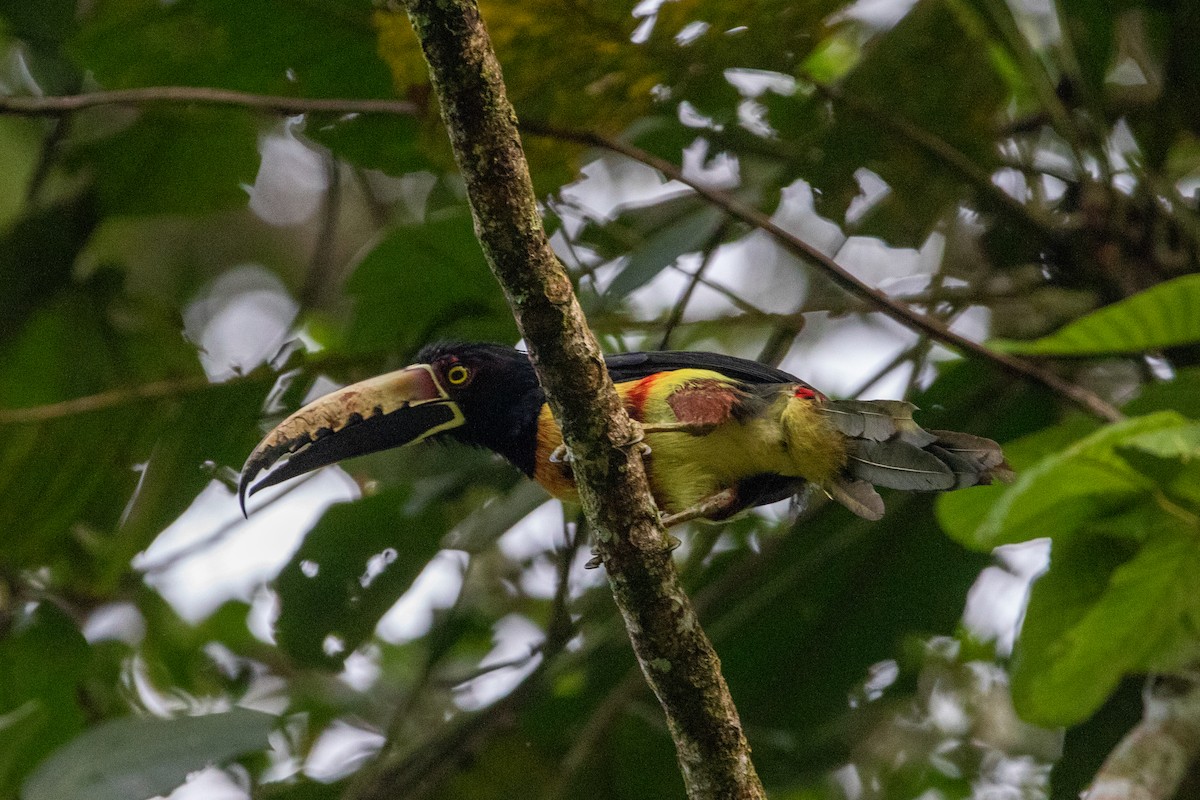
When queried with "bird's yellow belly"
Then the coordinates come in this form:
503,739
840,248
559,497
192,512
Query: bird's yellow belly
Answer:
685,469
790,440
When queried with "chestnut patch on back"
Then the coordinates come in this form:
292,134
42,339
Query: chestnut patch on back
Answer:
704,402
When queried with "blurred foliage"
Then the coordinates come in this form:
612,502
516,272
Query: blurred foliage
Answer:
1032,166
1163,316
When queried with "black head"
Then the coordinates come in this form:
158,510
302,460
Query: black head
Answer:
498,391
481,394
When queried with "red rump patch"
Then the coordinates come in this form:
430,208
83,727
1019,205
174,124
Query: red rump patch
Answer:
804,393
635,398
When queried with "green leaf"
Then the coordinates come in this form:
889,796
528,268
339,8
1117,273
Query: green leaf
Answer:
385,142
962,513
1182,443
143,757
18,158
43,663
958,109
323,49
1166,315
426,281
1181,393
1101,613
175,161
83,493
490,521
1085,482
687,234
213,427
37,256
1171,459
351,568
44,24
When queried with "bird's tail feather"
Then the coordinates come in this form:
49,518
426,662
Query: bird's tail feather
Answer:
886,447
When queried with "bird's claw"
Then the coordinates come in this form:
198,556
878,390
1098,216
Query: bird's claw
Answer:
673,544
638,439
561,455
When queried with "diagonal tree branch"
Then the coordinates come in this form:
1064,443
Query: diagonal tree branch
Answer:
675,655
906,316
1089,401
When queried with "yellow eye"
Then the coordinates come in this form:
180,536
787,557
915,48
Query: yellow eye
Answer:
458,374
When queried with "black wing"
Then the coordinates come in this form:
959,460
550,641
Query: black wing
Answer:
631,366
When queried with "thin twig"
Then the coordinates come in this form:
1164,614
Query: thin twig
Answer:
156,390
47,106
685,297
50,106
170,560
747,308
321,264
46,156
167,389
906,316
904,355
944,152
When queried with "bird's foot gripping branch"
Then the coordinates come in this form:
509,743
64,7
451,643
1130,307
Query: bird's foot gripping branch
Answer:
719,434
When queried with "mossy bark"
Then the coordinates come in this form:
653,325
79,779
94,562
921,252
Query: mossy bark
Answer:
675,655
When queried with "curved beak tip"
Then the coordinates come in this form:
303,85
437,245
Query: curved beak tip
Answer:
392,410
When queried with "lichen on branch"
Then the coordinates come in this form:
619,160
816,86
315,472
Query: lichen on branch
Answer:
675,655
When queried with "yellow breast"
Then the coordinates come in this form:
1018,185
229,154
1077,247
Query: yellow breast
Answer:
790,438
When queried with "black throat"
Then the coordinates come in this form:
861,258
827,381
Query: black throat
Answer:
501,404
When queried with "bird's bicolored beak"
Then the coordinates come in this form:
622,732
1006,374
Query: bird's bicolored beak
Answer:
391,410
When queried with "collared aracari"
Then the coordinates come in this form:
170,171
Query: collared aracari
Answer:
721,434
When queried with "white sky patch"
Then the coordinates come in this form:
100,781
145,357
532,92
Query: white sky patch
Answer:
1012,182
210,784
197,579
873,190
874,262
437,587
754,82
537,533
1127,72
515,636
292,180
717,170
362,669
239,320
973,323
340,750
877,14
691,32
611,181
120,622
540,578
996,602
